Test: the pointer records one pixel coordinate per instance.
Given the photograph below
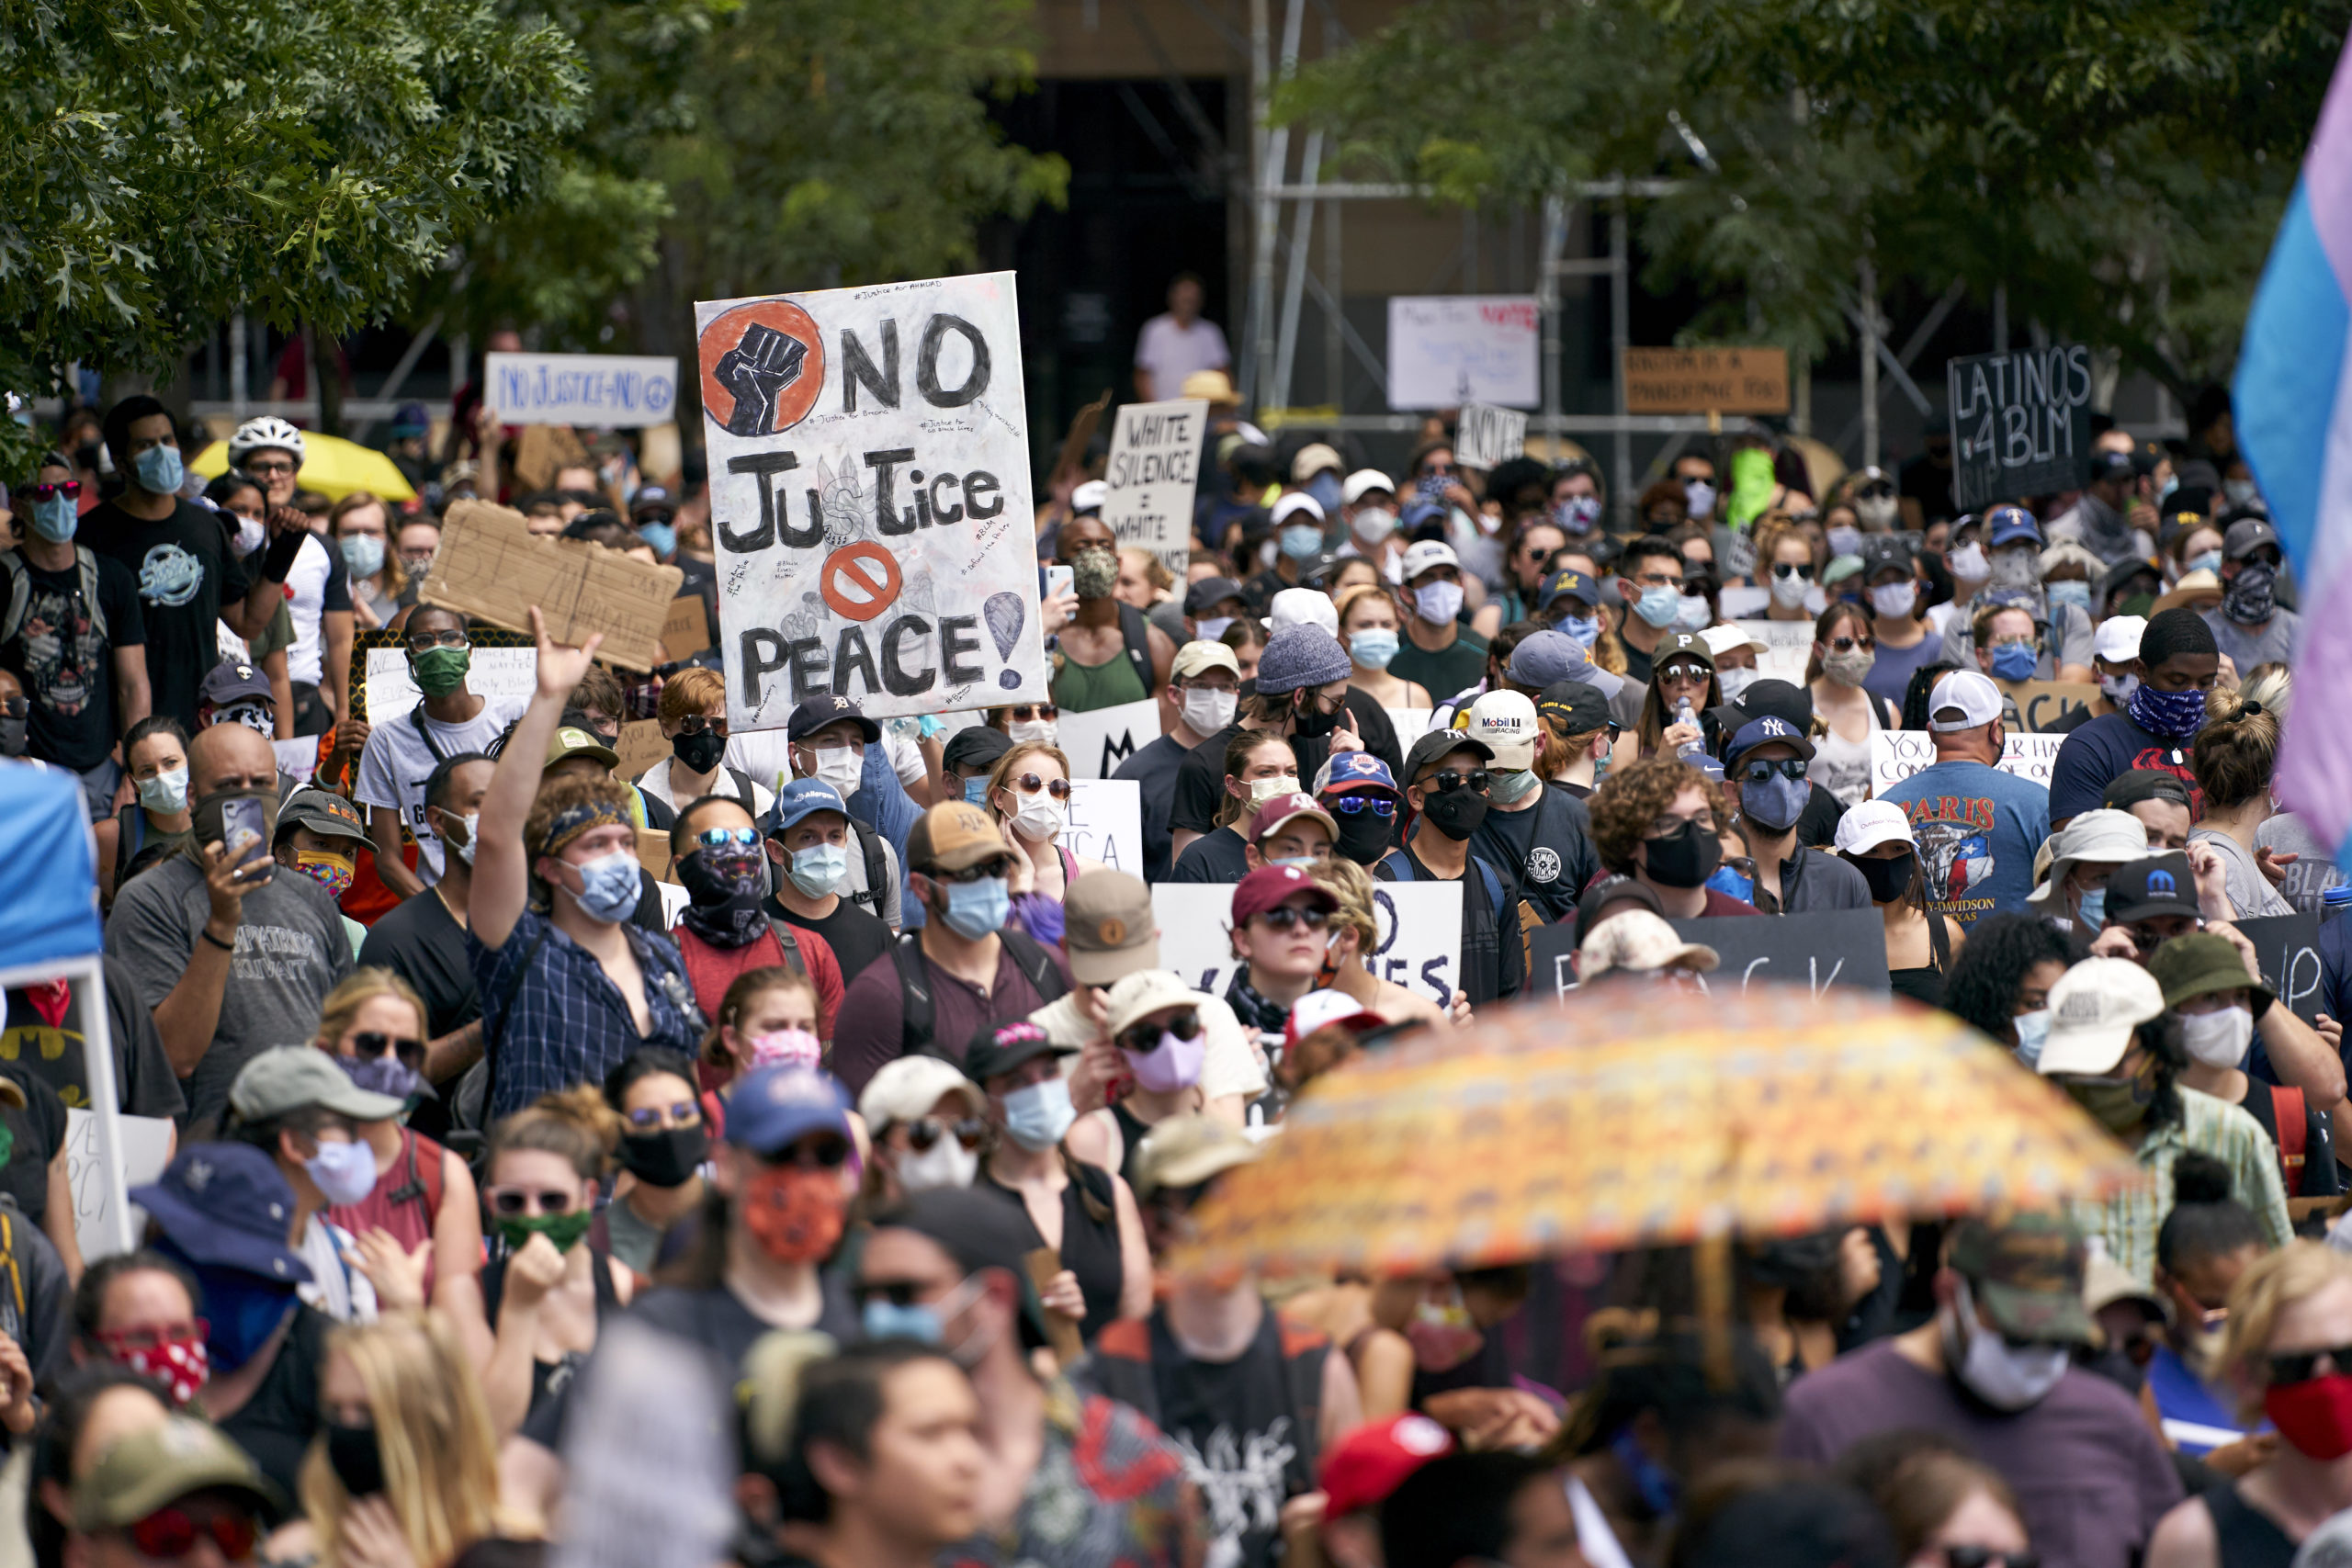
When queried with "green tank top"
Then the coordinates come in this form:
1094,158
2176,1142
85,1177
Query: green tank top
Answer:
1080,688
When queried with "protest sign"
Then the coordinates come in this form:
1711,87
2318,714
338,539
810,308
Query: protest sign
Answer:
646,1455
685,628
1486,435
2020,423
1896,754
495,672
297,759
2286,947
1106,823
1419,945
2044,703
1791,643
605,392
870,505
146,1148
1451,349
490,564
544,448
1842,947
1706,380
653,853
1150,473
1099,739
642,746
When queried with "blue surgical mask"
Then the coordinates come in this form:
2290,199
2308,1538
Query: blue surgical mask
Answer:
609,886
2078,594
158,469
1037,1116
1661,1490
975,910
1300,540
1373,649
55,519
2092,910
2211,560
2034,1029
1658,606
2015,662
661,536
1731,884
1583,632
819,869
2164,492
363,553
976,791
885,1319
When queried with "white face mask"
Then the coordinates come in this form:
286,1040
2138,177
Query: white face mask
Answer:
1700,498
840,767
1967,564
946,1163
2004,1376
2218,1039
1894,600
1044,730
1265,790
1041,817
1876,511
251,533
1208,628
1789,592
1437,602
1208,710
1735,681
2119,688
465,852
1374,524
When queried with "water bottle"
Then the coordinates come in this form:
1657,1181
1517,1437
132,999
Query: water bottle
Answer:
1694,750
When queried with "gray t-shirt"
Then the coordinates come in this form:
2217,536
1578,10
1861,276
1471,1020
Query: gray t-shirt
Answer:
2068,635
2274,644
2250,892
290,953
2310,877
398,759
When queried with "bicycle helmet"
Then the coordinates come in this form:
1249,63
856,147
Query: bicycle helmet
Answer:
267,430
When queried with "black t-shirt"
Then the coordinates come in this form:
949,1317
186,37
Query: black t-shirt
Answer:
417,939
35,1134
66,666
1638,665
184,571
1153,770
1238,1422
1200,778
1550,847
2067,722
1214,857
276,1425
1817,823
857,936
145,1082
1928,485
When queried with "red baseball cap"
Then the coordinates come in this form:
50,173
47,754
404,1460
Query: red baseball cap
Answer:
1272,885
1372,1462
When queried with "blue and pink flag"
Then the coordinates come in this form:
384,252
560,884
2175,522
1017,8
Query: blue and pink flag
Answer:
2292,400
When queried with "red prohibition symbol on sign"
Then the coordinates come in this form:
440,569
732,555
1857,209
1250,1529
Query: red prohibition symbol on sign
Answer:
860,580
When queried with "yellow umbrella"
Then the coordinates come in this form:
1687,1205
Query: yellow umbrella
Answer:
1628,1119
331,465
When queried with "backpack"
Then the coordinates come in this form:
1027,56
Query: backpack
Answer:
1137,633
20,594
1400,869
917,1013
876,897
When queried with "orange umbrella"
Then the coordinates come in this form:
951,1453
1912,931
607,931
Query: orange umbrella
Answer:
1632,1118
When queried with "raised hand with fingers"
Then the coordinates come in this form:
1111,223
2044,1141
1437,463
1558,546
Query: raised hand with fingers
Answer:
561,668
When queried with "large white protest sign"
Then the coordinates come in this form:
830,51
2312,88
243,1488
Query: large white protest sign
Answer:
603,391
1106,823
1896,754
1151,472
146,1149
1791,645
870,504
497,674
1446,350
1099,739
1486,435
1419,946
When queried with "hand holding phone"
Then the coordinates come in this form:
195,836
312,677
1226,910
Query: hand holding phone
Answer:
245,839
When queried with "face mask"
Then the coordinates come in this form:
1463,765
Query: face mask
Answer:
819,869
2239,491
464,849
241,1312
2015,568
1363,838
700,750
2015,662
158,470
1374,524
2211,560
1437,602
1577,513
946,1163
563,1231
661,536
356,1459
345,1173
976,791
2218,1039
251,533
1894,600
167,793
1887,879
1732,883
1041,817
1307,717
795,1214
441,672
2119,688
2078,594
1583,632
1044,730
1171,1064
1037,1116
2092,910
56,518
1658,606
1699,496
975,910
253,716
2163,491
386,1074
1456,813
2120,1105
2314,1414
1208,710
1659,1488
1789,592
1373,649
1844,541
668,1158
1735,681
885,1319
1443,1335
1093,573
2004,1376
1876,511
1682,858
1967,564
1777,803
2034,1029
331,872
787,1048
363,553
609,887
2250,597
843,767
2174,716
1300,540
1691,612
1207,628
723,892
1511,785
181,1365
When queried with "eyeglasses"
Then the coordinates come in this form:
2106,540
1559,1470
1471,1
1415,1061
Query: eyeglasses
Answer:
1357,804
1446,779
426,642
513,1201
981,872
1024,712
1784,570
678,1113
1848,644
1030,784
2301,1366
719,837
269,467
1660,580
1283,917
1144,1037
376,1043
925,1131
172,1532
69,488
823,1153
1759,769
1666,827
1985,1557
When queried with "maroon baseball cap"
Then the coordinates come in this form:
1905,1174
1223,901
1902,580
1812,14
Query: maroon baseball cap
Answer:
1272,885
1369,1463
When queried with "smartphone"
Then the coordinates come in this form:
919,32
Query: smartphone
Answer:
245,836
1057,579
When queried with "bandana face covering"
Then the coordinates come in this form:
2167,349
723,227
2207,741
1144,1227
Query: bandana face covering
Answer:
2175,715
331,872
795,1214
723,893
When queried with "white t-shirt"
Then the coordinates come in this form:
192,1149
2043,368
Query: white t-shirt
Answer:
1171,353
315,564
397,760
336,1288
655,782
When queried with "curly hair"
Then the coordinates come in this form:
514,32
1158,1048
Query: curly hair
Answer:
1348,882
1633,797
1982,989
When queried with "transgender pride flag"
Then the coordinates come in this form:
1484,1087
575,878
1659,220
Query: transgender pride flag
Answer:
2293,405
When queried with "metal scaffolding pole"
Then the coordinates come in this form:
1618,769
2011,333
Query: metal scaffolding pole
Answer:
1294,285
1258,365
1868,275
1547,294
1620,337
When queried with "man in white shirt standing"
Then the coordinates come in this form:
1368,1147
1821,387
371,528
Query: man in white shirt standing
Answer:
1174,345
449,719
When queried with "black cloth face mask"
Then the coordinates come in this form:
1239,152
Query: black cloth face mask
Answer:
1684,858
1456,813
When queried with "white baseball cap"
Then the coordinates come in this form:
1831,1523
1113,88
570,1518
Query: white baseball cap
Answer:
2119,638
1297,500
2093,1007
1363,482
1972,693
1302,607
1721,640
1090,496
1313,459
906,1088
1506,722
1426,553
1871,823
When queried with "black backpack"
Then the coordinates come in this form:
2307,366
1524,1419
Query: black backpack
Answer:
917,1013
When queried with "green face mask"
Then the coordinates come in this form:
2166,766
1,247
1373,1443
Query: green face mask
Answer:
441,671
2120,1105
2140,604
564,1230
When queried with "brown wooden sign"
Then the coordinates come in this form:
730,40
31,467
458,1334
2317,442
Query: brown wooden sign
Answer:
1706,380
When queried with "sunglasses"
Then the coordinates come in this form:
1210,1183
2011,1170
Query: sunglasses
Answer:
1786,570
1283,917
1446,779
513,1201
2301,1366
979,873
426,642
1875,493
826,1153
70,489
696,723
1848,644
1357,804
925,1131
375,1043
1683,675
683,1113
719,837
1985,1557
1761,769
1030,784
898,1293
172,1532
1143,1038
1024,712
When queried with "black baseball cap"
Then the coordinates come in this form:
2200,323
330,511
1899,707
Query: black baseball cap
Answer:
998,1047
977,747
1581,709
1203,595
2151,885
2127,790
1609,890
818,712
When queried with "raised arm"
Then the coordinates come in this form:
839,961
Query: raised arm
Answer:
501,865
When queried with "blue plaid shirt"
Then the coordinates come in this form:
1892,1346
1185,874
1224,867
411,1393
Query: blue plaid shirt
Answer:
567,1023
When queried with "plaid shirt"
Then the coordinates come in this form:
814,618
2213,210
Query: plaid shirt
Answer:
566,1022
2129,1221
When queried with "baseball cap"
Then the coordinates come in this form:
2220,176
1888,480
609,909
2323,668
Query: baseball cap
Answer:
818,712
2100,838
1001,1046
1107,926
2067,553
1363,482
1506,722
1581,709
1766,731
2025,1269
321,812
1371,1462
1186,1150
1438,743
1201,654
1870,823
1204,596
2126,790
2110,466
1970,693
1546,658
1613,890
652,501
415,419
978,746
1321,1009
1301,607
1272,885
1297,500
2119,638
2008,524
979,1230
2151,885
2198,963
2093,1008
229,682
1683,645
1312,459
1721,640
905,1089
1573,584
1282,808
571,740
227,1205
798,800
1354,769
287,1077
1639,940
1089,497
1212,384
2246,536
143,1472
955,835
1423,554
1143,993
772,1108
1883,552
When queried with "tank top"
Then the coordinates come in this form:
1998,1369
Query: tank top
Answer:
406,1200
1081,688
1926,985
2247,1537
1133,1130
1090,1247
1843,767
550,1377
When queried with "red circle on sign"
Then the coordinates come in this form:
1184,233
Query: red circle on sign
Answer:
797,398
860,580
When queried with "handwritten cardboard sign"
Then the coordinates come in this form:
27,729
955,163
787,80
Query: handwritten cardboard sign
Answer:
1098,740
685,630
544,448
1843,947
490,564
1151,473
1445,349
1790,646
607,391
1896,754
1486,435
500,674
2020,423
2044,703
641,747
1106,823
653,853
2286,946
1706,380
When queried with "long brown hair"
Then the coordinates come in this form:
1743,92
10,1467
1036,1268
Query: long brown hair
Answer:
1234,807
1825,626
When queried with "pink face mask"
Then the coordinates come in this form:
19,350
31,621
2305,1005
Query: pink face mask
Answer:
789,1047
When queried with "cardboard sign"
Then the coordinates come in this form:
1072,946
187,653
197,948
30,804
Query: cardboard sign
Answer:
685,629
2286,946
2020,423
604,392
1841,947
1791,648
1706,380
1486,435
1448,350
297,759
2044,703
646,1454
1098,740
490,564
870,505
544,448
494,672
1151,473
653,853
146,1149
1419,945
641,747
1106,823
1896,754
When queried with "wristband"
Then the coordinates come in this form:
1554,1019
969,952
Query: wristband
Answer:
206,932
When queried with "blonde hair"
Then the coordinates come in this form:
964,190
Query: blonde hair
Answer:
1350,597
1351,885
440,1454
358,989
2272,1283
2236,753
1155,570
1005,764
